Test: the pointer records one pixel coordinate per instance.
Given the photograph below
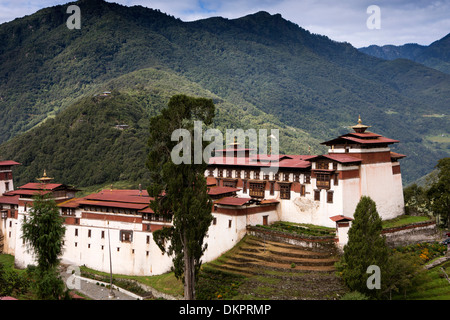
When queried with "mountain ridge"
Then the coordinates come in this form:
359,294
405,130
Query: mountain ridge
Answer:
436,55
260,63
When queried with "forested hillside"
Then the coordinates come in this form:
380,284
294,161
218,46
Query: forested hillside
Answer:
262,71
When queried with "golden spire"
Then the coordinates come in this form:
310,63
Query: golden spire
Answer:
44,178
360,128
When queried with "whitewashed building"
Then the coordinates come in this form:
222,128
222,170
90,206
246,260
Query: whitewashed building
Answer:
322,190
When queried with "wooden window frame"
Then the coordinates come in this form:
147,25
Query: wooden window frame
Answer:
285,191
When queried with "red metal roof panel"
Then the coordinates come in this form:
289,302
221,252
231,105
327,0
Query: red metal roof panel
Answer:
9,199
232,201
9,163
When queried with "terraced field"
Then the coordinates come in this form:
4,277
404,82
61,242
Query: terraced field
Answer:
275,270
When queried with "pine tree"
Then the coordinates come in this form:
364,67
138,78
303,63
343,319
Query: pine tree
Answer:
366,246
180,189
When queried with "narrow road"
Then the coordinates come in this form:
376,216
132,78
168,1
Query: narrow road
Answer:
94,289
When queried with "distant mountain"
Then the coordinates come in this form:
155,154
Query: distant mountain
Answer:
436,55
262,70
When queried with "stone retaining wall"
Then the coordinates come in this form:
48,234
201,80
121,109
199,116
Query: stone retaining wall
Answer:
316,243
425,231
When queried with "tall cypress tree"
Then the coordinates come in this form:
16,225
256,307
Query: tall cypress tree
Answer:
43,232
366,246
180,189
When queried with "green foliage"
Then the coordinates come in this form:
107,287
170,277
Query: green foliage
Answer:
12,283
48,284
401,273
439,193
354,295
298,229
424,251
180,189
43,232
217,285
366,246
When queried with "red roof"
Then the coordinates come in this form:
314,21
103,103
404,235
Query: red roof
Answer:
339,157
7,298
395,155
9,163
147,210
232,201
40,186
367,138
26,192
221,190
279,161
340,218
127,205
9,199
128,196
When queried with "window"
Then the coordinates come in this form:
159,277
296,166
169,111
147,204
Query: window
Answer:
229,173
229,223
322,165
214,222
103,234
89,233
246,174
336,179
6,186
323,180
285,191
210,172
257,190
266,177
244,186
237,174
272,188
126,235
286,176
317,195
220,173
76,232
256,175
302,190
231,184
330,196
148,239
277,177
307,178
265,220
296,177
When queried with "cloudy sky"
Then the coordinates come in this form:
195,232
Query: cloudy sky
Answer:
393,21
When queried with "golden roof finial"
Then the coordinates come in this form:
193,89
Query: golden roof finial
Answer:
360,128
44,178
